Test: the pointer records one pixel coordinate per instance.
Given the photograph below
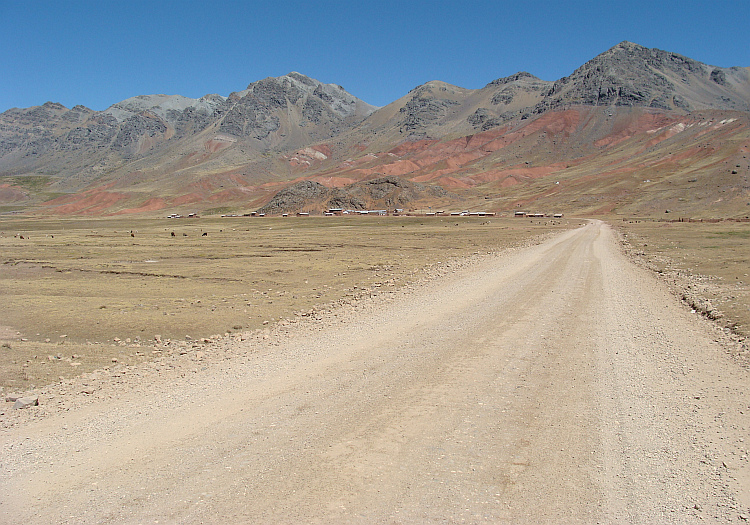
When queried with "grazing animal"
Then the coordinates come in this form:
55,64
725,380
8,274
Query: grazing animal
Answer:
205,234
132,234
172,234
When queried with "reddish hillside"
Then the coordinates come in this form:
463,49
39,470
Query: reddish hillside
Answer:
632,131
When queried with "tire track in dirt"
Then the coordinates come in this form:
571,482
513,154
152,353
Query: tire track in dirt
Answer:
554,383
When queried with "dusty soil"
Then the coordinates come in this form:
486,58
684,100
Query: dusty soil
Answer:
77,294
554,383
707,264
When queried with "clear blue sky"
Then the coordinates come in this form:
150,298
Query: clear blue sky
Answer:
97,53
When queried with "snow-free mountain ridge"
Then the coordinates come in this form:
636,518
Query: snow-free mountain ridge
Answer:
629,114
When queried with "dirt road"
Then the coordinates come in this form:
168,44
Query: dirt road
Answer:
556,383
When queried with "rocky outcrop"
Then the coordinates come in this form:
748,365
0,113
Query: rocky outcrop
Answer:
265,107
97,132
509,98
424,108
393,192
80,144
381,193
295,197
719,76
249,118
633,75
137,128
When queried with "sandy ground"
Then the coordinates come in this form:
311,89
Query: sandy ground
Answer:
86,288
557,383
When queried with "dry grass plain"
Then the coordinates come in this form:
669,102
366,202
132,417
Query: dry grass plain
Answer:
708,263
77,294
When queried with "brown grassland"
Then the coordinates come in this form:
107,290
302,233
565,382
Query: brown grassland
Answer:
76,294
707,263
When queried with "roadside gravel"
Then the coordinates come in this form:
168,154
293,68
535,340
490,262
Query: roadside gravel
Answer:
551,383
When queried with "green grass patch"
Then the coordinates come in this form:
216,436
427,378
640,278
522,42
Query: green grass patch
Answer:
220,210
740,234
32,183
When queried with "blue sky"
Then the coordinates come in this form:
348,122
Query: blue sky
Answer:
97,53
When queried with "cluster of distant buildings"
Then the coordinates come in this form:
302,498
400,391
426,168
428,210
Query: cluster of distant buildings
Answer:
538,215
339,212
400,212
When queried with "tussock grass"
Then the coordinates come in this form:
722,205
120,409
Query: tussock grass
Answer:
103,289
709,260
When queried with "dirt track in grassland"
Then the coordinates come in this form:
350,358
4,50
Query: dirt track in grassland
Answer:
553,384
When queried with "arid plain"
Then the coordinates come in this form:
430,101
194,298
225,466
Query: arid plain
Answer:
82,294
540,377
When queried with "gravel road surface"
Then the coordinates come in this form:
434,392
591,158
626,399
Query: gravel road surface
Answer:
555,383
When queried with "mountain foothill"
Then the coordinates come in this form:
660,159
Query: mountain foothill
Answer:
633,132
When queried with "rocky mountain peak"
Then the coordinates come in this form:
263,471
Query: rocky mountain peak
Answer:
427,105
252,131
165,106
629,74
295,88
54,106
520,76
267,105
629,47
436,88
304,79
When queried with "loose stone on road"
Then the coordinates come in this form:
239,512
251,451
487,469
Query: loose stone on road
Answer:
556,383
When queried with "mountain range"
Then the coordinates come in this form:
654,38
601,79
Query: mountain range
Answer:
634,131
